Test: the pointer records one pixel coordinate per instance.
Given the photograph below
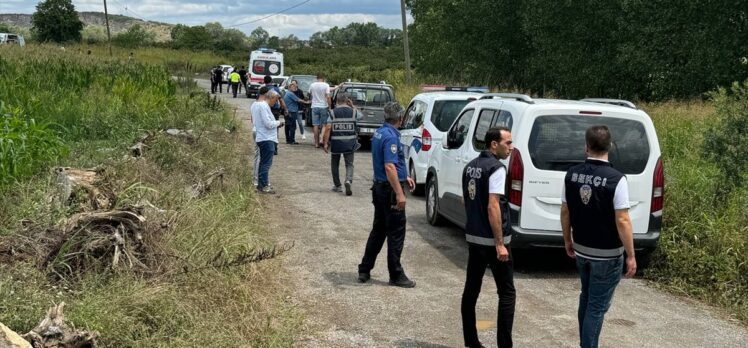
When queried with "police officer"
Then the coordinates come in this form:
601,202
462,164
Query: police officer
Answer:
342,140
388,197
597,229
488,235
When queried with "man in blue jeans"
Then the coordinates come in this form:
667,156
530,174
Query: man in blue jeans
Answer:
597,229
266,137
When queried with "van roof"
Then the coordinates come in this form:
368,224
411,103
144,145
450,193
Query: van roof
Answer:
546,104
445,95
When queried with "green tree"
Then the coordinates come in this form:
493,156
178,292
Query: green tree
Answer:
258,37
290,42
273,42
5,28
56,21
194,38
726,141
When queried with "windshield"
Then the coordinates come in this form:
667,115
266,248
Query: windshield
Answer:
304,81
363,96
445,112
266,67
557,142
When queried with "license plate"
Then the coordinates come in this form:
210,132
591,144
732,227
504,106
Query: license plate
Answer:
368,130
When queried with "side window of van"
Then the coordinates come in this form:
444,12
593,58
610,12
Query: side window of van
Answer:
504,119
485,122
458,132
414,115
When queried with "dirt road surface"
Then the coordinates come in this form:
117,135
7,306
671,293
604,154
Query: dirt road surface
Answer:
330,231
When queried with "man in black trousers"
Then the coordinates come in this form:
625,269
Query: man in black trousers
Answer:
488,235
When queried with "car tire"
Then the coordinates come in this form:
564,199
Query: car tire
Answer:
432,203
419,188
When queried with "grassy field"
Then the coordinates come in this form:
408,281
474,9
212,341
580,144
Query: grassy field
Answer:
199,287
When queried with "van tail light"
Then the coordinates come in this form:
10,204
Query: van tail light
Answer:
516,174
425,140
658,188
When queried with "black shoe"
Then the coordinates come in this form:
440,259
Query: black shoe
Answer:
363,277
403,282
348,191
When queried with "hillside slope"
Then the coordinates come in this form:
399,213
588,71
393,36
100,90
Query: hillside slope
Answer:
117,23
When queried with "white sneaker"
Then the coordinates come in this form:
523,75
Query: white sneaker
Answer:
303,136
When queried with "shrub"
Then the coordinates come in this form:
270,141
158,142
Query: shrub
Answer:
726,142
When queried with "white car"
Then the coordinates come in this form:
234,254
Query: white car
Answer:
549,138
427,119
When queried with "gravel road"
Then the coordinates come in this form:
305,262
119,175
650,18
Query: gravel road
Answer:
330,231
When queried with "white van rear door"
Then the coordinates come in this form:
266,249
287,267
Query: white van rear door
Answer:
556,142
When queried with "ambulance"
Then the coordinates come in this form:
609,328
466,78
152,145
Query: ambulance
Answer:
263,61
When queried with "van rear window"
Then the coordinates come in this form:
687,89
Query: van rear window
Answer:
266,67
445,112
557,142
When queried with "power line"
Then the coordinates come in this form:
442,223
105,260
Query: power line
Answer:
268,16
137,15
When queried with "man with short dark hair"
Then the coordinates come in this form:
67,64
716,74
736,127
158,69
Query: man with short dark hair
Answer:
388,197
488,235
216,80
597,229
243,77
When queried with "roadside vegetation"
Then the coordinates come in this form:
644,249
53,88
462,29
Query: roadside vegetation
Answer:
191,277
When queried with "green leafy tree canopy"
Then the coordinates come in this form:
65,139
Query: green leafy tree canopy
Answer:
56,21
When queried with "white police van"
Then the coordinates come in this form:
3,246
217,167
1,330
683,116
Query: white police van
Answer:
548,136
427,119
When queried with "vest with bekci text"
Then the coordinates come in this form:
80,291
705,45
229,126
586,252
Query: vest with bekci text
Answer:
590,189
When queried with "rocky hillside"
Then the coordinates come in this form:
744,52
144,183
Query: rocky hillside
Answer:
94,20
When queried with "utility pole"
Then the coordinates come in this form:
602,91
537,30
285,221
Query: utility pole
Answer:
408,75
108,33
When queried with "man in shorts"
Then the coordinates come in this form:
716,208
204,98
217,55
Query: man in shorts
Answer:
321,102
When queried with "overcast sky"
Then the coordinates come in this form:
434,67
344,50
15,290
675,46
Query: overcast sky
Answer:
302,21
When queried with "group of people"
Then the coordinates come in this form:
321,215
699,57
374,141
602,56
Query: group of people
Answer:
596,226
234,79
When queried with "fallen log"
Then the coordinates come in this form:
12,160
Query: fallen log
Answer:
53,332
10,339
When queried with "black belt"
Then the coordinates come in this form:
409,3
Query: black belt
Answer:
387,183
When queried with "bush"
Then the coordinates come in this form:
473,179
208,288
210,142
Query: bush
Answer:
25,145
726,142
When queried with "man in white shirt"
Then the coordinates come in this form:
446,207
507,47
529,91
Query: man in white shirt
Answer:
321,104
266,136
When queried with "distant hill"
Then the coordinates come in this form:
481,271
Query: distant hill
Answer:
117,23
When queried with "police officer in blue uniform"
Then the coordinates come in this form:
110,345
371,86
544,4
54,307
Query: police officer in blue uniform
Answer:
488,235
597,229
388,197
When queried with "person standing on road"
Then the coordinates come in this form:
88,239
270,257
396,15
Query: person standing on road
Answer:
227,79
597,229
217,80
300,114
488,236
388,197
235,78
267,137
341,139
321,103
292,103
256,159
243,77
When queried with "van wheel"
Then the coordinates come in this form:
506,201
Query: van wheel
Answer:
432,203
412,172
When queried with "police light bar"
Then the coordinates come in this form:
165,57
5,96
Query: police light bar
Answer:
436,88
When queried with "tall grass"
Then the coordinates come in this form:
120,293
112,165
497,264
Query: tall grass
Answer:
73,109
703,249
